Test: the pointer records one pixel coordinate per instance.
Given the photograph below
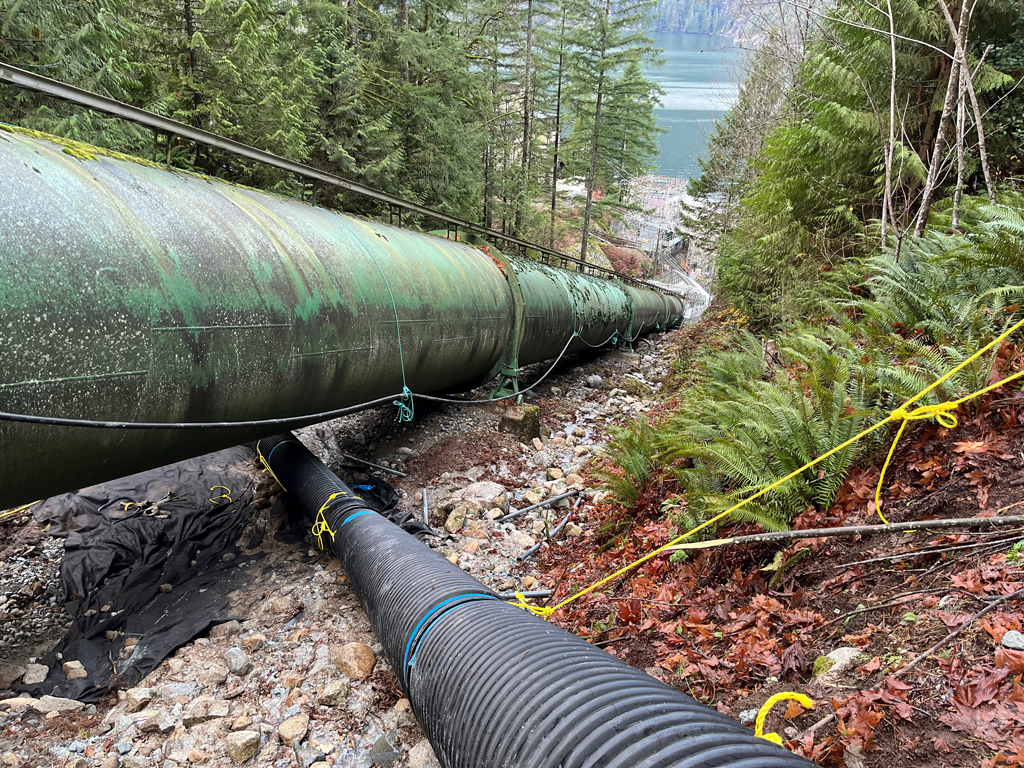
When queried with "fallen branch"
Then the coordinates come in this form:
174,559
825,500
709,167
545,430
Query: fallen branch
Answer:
891,603
371,464
944,641
853,530
956,632
992,547
934,551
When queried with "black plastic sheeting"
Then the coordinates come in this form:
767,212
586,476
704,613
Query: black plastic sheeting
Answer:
493,685
172,525
118,558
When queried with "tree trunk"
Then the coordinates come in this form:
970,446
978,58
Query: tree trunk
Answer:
931,184
489,160
353,25
890,146
403,27
961,103
593,165
524,174
982,152
190,61
596,136
487,186
558,132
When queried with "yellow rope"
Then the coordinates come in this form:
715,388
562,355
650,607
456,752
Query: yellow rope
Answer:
266,466
320,525
16,510
774,738
223,495
941,412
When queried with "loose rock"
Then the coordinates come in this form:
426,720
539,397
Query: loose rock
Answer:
237,662
204,708
309,757
9,674
158,722
523,540
536,495
1013,640
225,630
354,660
215,675
457,517
286,604
841,660
241,745
523,421
48,704
137,698
333,694
293,730
422,756
35,673
253,643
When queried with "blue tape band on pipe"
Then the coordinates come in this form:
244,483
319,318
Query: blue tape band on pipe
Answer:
412,661
357,514
428,614
283,442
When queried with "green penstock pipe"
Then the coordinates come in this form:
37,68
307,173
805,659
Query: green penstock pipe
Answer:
134,293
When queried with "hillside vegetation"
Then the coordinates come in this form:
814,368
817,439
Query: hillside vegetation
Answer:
862,201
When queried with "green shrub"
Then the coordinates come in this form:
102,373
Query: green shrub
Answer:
632,453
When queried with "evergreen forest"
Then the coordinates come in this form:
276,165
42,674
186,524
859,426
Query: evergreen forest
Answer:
701,17
475,109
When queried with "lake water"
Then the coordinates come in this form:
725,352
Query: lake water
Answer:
700,79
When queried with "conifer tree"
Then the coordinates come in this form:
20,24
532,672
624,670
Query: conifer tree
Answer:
84,44
606,38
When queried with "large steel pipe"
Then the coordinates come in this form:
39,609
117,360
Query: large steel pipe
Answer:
129,292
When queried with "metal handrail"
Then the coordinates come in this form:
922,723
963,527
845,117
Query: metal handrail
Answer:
58,90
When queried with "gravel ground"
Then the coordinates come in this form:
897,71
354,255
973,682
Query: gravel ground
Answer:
299,678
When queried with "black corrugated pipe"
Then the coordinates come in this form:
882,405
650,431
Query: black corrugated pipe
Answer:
491,684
